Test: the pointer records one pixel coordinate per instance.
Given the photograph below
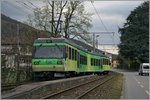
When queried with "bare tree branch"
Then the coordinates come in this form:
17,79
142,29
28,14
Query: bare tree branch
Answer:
60,16
49,3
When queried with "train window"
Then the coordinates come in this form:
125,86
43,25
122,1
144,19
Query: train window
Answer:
66,48
104,61
91,61
69,53
66,51
75,54
85,60
95,62
72,54
107,61
80,59
98,62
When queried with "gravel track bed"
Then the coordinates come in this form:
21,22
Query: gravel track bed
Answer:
64,86
110,90
75,92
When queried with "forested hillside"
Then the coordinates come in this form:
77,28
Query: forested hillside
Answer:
26,35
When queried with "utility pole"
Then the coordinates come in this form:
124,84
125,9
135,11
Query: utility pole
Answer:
94,41
98,33
52,27
18,56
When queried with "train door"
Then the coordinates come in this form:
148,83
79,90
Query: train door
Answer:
78,59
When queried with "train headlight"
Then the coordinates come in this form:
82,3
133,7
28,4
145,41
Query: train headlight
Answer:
36,63
59,62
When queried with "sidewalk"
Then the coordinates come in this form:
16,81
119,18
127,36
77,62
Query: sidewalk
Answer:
121,70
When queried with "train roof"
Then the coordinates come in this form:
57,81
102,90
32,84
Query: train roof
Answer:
76,43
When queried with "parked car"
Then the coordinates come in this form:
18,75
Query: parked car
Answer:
144,68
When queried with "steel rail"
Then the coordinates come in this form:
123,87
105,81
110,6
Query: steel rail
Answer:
7,87
65,90
79,97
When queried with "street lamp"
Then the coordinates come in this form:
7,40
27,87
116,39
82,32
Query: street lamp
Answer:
97,40
98,36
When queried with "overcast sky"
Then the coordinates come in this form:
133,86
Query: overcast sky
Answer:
112,13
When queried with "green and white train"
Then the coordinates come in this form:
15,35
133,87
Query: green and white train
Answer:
63,56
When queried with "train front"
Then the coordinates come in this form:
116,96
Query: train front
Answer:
48,58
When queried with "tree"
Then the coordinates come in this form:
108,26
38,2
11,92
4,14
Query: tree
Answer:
69,13
134,44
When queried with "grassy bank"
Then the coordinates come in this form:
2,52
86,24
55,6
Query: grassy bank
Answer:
112,89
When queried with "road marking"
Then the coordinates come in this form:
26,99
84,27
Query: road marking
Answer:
135,79
147,92
138,82
141,86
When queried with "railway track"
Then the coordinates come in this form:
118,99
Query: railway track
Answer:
88,92
79,91
7,87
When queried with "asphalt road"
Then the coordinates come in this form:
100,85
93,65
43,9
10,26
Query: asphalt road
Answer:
135,86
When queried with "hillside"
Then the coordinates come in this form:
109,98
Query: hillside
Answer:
26,35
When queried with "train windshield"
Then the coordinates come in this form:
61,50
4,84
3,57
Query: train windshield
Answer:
49,51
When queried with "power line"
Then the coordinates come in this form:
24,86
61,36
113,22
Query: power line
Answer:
24,4
102,21
33,4
99,16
